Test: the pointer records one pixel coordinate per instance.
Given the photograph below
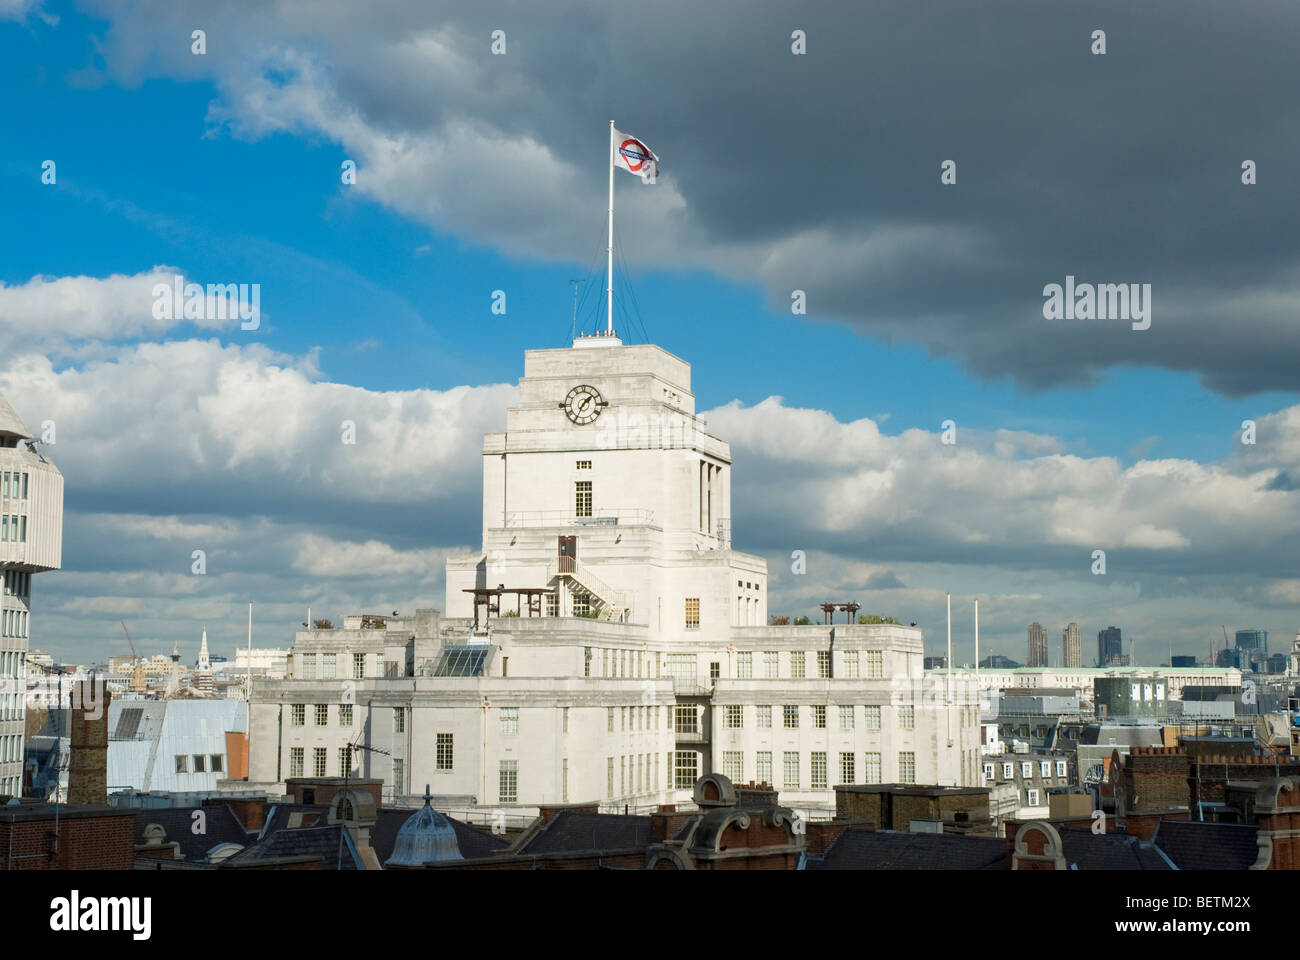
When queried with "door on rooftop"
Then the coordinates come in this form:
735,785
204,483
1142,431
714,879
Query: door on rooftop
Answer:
568,554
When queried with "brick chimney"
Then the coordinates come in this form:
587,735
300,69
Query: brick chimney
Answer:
88,722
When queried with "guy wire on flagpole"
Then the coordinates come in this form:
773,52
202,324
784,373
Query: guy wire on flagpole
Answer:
609,289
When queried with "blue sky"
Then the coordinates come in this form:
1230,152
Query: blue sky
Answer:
164,162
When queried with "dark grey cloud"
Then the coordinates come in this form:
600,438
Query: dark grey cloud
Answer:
821,172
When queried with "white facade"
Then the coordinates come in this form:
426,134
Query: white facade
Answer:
31,542
650,663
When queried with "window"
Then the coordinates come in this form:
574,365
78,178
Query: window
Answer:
399,777
823,664
763,767
295,761
328,665
732,765
609,776
309,666
906,767
444,751
871,768
609,719
819,716
1062,769
399,720
345,714
200,763
681,667
508,781
322,715
875,664
1045,768
564,780
907,718
298,714
687,720
1031,797
791,770
1008,771
735,717
771,664
791,716
358,666
818,774
345,761
715,671
764,713
745,665
1026,770
582,498
847,772
873,717
218,763
851,664
684,769
988,771
846,717
797,663
509,721
182,763
564,720
586,660
623,719
320,757
692,613
581,604
553,610
584,465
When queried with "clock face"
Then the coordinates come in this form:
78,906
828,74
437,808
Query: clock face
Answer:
583,404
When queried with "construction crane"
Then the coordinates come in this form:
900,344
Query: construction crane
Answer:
138,682
134,656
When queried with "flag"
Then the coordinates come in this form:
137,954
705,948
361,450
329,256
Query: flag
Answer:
634,156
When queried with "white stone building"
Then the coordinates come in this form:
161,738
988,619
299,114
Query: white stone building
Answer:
31,542
640,658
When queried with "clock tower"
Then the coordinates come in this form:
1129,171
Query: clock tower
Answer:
607,490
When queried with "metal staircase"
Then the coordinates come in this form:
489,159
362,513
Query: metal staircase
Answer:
611,604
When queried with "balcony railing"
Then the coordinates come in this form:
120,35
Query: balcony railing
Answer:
567,518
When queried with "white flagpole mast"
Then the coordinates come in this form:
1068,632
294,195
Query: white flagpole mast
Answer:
609,289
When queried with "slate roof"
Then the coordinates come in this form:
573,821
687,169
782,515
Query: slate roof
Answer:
320,842
221,826
1085,850
857,849
572,831
472,841
1193,845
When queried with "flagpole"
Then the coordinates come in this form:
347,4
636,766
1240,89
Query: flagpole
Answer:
609,289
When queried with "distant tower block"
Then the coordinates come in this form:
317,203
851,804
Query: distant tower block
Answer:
1037,645
31,541
1072,645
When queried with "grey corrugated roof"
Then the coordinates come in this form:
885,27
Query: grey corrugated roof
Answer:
10,423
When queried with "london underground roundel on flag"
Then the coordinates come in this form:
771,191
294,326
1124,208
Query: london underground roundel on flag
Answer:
634,154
